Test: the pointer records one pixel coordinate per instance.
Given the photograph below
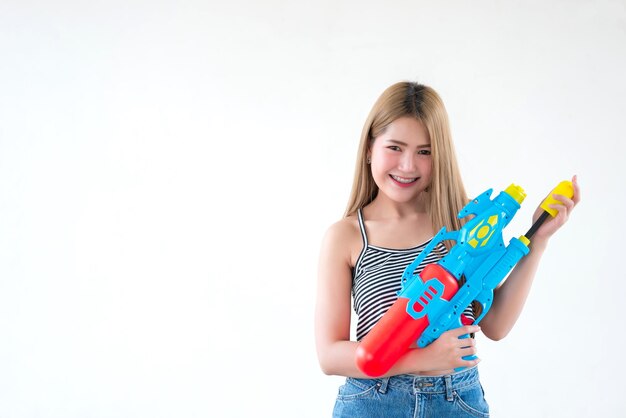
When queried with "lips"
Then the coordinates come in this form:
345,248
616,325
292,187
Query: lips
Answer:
403,181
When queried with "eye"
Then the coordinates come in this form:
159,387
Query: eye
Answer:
423,152
394,148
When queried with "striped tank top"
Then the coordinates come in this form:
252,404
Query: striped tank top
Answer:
376,278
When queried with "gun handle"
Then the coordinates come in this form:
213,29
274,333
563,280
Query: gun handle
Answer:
471,357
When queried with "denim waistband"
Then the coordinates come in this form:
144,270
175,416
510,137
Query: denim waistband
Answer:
429,384
434,384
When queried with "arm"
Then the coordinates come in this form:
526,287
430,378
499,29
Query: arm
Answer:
336,353
510,296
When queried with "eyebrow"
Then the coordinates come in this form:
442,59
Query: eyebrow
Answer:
395,141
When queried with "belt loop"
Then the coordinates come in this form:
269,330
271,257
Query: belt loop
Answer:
382,386
449,396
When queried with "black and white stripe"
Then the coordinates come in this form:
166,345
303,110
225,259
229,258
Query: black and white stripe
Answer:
377,276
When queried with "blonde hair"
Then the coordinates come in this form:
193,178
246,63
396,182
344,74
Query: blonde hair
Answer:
446,195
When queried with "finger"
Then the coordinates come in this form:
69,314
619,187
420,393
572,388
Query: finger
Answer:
576,197
560,208
468,342
470,363
467,329
468,351
566,201
461,362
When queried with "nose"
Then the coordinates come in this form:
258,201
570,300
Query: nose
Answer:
408,162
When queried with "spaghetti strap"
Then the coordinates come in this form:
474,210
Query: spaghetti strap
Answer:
362,227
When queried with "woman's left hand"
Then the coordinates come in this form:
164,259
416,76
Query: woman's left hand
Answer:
564,208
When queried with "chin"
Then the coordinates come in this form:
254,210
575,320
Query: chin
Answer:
404,198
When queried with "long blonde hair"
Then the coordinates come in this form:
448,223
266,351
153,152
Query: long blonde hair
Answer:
446,195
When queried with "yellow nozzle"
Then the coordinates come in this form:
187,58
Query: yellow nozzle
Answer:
564,188
516,192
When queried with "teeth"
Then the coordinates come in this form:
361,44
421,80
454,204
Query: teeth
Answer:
404,180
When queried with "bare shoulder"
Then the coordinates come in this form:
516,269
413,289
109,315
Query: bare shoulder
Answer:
344,228
343,239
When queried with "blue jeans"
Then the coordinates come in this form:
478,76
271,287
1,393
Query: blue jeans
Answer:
456,395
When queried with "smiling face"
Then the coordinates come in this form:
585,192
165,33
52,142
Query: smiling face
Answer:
401,161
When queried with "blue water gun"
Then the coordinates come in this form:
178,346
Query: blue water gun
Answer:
433,301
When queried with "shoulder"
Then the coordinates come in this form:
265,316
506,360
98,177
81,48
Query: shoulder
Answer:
343,238
344,228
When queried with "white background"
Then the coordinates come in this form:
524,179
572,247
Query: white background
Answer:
167,171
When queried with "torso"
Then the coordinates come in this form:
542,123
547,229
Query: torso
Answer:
379,254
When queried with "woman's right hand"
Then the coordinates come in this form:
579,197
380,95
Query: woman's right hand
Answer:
447,351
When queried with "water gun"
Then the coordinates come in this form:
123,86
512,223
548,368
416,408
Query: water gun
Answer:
432,302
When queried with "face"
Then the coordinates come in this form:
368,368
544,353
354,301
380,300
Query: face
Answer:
400,160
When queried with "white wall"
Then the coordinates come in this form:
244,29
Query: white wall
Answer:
167,171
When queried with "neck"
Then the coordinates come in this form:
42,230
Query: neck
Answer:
387,208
